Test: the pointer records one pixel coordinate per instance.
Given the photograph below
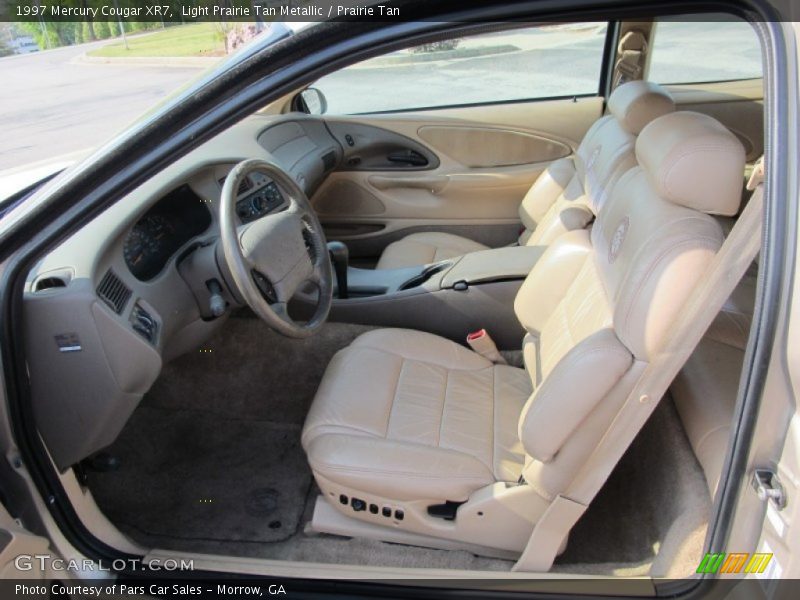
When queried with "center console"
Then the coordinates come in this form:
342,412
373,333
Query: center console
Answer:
448,298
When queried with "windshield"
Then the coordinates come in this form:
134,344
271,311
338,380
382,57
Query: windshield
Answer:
65,93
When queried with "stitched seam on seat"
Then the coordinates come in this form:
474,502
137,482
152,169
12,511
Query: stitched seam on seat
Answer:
347,427
429,362
444,403
394,398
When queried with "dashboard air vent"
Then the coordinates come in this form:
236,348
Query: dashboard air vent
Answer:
49,283
113,292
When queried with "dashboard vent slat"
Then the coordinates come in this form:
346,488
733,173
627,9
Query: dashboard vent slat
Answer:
113,292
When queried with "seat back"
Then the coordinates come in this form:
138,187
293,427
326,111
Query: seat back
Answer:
597,304
570,192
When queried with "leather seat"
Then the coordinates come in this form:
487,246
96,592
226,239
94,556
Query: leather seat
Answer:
405,423
569,193
444,417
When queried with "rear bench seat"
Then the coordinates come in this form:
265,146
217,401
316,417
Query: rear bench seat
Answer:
705,390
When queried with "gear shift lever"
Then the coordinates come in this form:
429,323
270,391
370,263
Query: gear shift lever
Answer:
340,258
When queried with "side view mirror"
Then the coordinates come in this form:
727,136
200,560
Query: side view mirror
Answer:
310,101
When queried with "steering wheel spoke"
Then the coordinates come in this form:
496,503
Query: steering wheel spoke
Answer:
282,311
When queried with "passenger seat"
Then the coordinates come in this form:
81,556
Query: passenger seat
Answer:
568,194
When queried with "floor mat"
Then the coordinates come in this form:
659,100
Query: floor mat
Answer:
247,371
191,475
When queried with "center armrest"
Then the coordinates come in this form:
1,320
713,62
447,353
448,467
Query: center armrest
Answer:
511,262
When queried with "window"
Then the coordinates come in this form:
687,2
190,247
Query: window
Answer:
523,64
700,52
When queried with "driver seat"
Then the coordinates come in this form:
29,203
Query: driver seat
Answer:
411,431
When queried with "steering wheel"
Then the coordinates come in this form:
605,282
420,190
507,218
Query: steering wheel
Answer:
272,257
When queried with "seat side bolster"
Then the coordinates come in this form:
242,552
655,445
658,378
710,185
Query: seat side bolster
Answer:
544,192
576,385
395,469
551,277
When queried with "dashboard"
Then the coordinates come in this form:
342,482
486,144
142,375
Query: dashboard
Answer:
163,230
130,290
182,215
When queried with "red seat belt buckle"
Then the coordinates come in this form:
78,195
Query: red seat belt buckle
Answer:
476,335
481,342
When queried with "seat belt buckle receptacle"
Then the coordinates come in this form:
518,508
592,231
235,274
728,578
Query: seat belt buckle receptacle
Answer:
481,342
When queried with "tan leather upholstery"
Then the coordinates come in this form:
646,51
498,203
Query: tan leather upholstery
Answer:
426,247
706,389
636,103
415,418
569,193
703,174
431,418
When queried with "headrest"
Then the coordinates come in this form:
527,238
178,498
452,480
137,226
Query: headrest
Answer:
636,103
691,159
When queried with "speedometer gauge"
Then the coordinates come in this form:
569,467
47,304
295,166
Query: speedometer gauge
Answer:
146,244
163,230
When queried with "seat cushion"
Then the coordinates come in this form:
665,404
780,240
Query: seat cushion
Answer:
424,248
409,415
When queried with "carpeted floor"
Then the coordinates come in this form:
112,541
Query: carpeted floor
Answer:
190,475
247,371
650,516
211,462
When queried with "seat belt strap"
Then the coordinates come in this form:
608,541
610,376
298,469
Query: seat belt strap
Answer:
725,271
631,51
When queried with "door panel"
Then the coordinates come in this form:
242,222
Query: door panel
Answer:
737,104
486,159
478,147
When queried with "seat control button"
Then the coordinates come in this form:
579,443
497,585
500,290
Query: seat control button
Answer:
343,499
386,512
460,286
373,508
399,514
358,504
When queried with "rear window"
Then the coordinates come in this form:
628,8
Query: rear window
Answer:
704,51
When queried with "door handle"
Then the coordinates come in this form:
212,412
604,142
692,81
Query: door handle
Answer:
408,157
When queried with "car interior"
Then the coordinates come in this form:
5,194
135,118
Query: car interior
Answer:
394,336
